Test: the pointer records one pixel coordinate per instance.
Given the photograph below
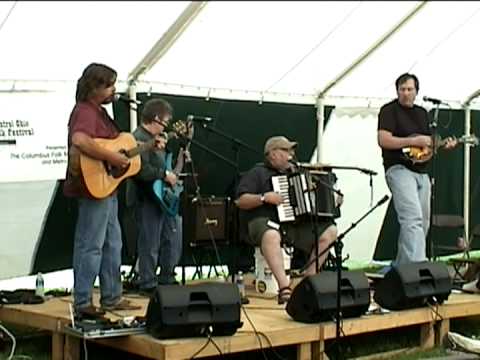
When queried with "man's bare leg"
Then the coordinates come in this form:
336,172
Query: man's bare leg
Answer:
273,255
327,237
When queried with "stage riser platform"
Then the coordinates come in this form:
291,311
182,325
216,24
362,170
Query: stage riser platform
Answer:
270,319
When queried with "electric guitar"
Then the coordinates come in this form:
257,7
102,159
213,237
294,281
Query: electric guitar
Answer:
100,177
165,195
418,155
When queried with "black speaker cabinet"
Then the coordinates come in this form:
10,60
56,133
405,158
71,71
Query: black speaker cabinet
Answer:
314,299
187,311
204,219
413,285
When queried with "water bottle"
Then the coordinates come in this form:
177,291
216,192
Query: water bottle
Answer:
241,284
39,285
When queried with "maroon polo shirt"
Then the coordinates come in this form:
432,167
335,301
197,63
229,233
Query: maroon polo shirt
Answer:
94,121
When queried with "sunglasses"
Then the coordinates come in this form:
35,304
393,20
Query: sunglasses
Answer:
163,123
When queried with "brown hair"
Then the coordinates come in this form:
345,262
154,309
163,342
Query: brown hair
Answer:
95,76
155,107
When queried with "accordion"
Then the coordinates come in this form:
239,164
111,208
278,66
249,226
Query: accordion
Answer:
300,199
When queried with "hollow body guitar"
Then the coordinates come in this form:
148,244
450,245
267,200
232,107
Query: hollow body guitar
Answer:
420,155
100,177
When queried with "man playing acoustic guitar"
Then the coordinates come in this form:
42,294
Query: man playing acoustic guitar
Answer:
97,241
159,240
403,124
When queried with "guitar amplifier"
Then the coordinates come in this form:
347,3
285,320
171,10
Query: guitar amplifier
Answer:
206,218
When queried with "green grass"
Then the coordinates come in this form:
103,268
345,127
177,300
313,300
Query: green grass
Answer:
423,354
31,343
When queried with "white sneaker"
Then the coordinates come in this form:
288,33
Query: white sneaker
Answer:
471,287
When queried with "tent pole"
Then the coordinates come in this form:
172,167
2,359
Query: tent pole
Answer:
466,179
466,170
159,49
349,69
372,48
167,39
132,94
321,122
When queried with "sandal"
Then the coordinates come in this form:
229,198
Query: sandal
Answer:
284,294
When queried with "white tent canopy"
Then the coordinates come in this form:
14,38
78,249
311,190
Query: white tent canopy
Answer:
281,51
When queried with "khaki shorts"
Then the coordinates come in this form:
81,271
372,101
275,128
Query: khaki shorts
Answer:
301,235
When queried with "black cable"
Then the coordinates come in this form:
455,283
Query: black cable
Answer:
209,340
336,341
202,348
434,308
215,344
255,332
271,346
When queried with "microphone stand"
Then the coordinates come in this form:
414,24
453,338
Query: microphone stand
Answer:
236,147
433,127
338,259
313,213
362,170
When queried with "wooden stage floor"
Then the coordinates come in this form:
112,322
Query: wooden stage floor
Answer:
273,325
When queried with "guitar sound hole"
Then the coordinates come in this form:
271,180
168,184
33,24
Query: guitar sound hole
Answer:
114,171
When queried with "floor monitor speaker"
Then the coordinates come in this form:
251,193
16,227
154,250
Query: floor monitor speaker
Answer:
314,299
413,285
194,310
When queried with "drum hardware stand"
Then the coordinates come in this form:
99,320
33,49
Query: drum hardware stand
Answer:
338,257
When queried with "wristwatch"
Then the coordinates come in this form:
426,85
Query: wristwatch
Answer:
262,198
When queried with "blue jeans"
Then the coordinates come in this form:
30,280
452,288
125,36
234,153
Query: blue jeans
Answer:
97,250
411,199
159,243
171,246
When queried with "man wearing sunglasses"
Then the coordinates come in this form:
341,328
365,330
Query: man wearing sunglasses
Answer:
159,240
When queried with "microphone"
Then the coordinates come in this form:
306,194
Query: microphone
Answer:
433,100
199,118
383,200
368,172
126,99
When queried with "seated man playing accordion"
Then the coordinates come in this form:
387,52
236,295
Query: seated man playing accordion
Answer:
256,197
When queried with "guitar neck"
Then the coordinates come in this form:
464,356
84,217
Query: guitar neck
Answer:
140,148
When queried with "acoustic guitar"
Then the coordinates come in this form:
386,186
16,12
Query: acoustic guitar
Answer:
165,195
100,177
418,155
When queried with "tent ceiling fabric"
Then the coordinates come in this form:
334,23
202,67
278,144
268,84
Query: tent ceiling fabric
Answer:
242,50
43,40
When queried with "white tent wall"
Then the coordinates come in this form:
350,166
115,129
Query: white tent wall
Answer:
351,141
37,123
24,209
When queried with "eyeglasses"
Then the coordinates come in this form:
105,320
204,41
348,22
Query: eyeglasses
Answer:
162,123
